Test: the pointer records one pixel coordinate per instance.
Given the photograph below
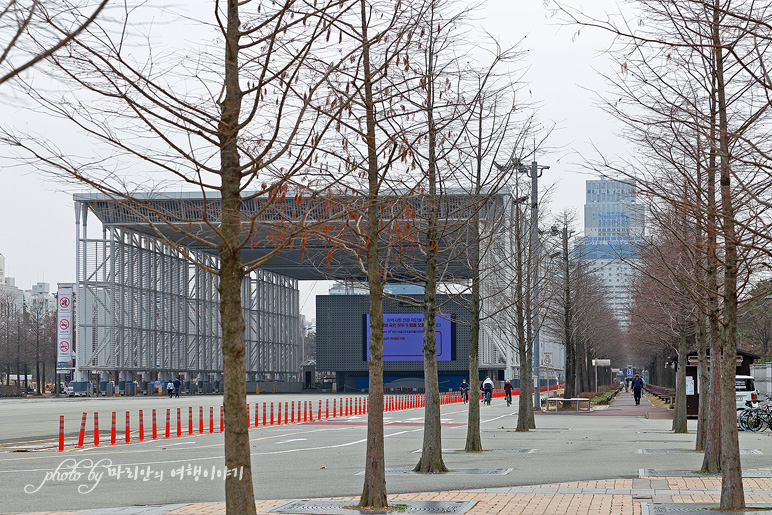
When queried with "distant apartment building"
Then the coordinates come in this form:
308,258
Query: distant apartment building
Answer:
613,226
39,296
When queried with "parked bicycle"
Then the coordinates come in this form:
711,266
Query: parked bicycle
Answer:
755,419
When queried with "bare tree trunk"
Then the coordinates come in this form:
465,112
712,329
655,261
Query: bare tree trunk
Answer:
704,384
374,488
679,417
570,390
732,495
239,492
431,457
711,461
473,439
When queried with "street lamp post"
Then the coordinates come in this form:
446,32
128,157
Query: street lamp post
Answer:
534,172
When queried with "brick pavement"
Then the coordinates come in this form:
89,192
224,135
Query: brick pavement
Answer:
604,497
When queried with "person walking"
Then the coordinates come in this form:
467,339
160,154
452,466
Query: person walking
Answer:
177,385
637,384
170,388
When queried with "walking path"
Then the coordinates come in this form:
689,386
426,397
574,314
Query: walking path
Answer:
609,497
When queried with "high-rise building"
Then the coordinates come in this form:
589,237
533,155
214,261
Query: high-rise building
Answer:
613,226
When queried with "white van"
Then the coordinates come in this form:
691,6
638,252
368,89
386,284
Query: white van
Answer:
745,390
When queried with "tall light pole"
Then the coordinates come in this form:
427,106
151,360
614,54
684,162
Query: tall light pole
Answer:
534,172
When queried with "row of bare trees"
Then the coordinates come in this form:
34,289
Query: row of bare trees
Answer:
334,125
27,343
693,90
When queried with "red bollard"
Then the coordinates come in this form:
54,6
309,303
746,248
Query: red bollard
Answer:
320,410
190,420
141,427
82,434
179,423
311,410
112,431
264,421
341,407
168,422
128,428
334,407
248,421
271,413
293,412
61,433
200,420
286,412
96,429
305,411
327,409
155,431
222,419
211,420
257,419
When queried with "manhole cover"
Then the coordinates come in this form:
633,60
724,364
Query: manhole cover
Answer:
686,451
698,508
311,506
454,472
750,473
461,451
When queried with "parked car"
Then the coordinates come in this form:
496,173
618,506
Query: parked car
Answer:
745,390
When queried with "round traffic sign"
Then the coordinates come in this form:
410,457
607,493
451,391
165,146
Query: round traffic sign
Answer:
64,345
64,324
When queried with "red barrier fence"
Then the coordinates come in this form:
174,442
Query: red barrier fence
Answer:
348,406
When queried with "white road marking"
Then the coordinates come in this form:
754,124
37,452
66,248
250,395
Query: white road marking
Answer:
292,440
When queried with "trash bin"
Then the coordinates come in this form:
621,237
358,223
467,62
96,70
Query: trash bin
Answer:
131,389
110,389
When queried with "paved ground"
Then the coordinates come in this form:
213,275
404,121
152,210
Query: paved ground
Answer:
636,495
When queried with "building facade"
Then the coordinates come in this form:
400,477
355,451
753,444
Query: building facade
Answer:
614,224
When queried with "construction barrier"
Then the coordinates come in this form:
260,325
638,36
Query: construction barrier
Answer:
82,434
61,433
128,428
96,429
341,407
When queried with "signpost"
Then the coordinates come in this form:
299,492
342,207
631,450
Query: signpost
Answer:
64,330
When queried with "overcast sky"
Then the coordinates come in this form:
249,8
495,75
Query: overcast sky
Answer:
37,222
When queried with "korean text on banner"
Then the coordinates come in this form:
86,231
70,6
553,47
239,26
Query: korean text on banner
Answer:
64,327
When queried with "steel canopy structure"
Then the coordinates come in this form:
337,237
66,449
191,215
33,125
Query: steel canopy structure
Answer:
147,309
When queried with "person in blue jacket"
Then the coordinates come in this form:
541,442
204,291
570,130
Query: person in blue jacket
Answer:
637,384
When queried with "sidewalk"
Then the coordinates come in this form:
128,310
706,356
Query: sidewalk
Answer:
624,406
612,497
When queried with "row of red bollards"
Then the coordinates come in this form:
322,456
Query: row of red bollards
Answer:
349,406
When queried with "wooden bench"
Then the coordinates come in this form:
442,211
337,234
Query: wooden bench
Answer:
577,400
665,394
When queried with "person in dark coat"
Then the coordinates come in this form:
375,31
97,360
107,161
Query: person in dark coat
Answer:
637,384
177,385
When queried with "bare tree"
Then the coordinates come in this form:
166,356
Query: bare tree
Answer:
32,30
235,121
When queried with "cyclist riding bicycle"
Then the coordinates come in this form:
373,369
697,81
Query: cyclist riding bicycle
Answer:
487,389
464,391
508,392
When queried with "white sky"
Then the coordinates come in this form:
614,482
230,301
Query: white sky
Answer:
37,221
